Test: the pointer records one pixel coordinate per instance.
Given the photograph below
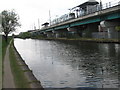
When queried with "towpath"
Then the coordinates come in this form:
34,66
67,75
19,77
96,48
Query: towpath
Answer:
8,80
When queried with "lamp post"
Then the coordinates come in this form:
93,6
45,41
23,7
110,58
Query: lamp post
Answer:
38,24
77,12
100,5
70,10
50,17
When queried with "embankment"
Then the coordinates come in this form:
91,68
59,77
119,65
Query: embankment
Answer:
22,73
86,40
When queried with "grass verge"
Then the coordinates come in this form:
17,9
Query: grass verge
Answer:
19,77
0,62
100,40
3,46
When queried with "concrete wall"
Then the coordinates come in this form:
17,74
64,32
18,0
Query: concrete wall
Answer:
115,35
89,30
60,33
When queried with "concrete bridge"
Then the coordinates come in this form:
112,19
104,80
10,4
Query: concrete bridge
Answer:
98,24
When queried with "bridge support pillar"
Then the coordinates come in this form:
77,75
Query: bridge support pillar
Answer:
109,28
90,28
49,34
73,32
60,33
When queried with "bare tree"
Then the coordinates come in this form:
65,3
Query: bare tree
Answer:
9,22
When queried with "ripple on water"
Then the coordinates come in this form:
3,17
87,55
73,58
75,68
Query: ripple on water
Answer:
71,64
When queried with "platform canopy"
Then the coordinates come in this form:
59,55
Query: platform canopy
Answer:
45,24
89,2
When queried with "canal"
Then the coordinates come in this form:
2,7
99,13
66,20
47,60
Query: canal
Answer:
71,64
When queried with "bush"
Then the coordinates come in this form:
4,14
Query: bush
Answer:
117,28
24,35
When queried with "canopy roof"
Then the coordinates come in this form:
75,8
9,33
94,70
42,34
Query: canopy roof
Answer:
45,24
89,2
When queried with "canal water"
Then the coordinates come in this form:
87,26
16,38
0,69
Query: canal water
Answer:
72,64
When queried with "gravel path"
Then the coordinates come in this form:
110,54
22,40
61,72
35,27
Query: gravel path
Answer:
8,80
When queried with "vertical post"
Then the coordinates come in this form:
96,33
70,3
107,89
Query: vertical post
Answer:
109,4
56,22
70,10
106,5
34,27
38,24
50,17
100,5
77,12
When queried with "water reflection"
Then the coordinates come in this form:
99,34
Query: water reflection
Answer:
60,64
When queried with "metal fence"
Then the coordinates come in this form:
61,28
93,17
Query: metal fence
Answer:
97,8
111,4
114,35
80,12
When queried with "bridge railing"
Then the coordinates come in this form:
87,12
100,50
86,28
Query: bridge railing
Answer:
110,4
79,12
97,8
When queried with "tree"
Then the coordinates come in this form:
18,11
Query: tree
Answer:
9,22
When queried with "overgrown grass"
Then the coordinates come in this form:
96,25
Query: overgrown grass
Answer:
0,47
4,45
19,77
0,62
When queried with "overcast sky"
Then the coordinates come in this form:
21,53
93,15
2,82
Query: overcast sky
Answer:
32,10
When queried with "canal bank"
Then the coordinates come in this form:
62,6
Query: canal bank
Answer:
98,40
23,76
28,35
84,40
